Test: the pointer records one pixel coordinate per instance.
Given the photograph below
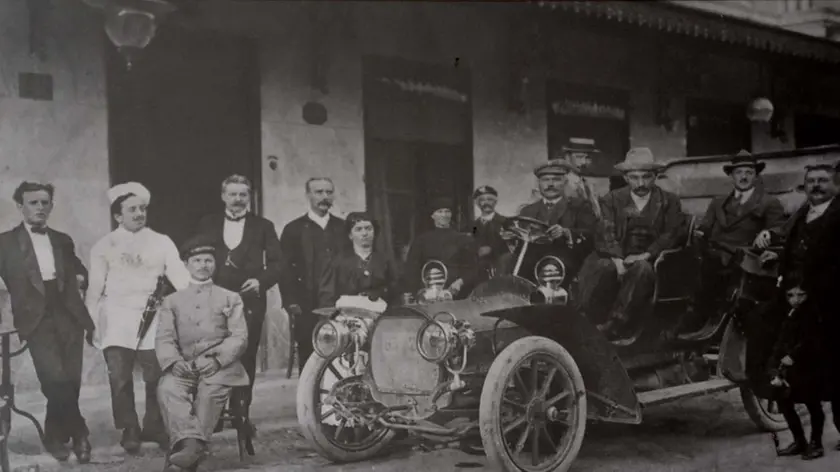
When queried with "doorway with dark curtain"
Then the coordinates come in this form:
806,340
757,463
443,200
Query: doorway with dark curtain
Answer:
715,128
184,117
418,145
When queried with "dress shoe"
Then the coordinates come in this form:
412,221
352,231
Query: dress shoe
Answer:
794,449
189,452
58,450
814,450
81,447
131,440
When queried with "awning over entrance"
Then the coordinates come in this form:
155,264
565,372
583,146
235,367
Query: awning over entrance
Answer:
677,19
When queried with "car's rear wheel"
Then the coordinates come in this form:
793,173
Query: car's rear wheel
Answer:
332,433
765,413
532,414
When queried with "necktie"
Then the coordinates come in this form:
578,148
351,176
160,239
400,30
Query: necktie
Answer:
39,229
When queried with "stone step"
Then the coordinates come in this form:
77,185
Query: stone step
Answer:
664,395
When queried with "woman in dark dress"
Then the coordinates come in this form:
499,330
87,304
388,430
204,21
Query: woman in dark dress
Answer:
361,269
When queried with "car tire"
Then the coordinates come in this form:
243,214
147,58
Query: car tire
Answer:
312,424
495,394
757,409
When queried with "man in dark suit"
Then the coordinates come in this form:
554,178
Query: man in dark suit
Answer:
572,220
812,253
639,222
732,220
43,275
486,229
307,245
248,255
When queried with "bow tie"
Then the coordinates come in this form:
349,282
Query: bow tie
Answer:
235,219
39,229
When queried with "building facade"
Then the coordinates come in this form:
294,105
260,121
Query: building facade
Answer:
396,102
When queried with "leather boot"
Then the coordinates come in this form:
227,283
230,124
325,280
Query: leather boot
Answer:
81,447
57,449
131,440
814,450
189,452
796,448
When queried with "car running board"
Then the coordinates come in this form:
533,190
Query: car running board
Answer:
664,395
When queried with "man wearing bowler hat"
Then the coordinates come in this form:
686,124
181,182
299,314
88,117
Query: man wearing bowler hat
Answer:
486,229
639,222
732,220
457,251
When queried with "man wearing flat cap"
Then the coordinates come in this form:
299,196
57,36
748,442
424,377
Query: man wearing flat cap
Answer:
248,255
639,222
457,251
200,340
731,221
571,219
486,229
125,268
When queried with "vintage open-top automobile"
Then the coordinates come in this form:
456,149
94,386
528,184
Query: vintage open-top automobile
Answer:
515,370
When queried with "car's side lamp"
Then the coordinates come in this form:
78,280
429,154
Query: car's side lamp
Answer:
434,274
549,274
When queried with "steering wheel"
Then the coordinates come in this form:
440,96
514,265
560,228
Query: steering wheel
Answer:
527,229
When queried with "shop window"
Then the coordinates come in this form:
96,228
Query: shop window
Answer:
585,113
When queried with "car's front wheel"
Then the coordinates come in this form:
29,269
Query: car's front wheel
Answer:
335,431
532,414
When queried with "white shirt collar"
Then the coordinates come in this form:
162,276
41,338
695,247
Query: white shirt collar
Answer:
29,229
817,210
200,282
487,218
640,201
320,220
241,215
552,201
745,195
123,231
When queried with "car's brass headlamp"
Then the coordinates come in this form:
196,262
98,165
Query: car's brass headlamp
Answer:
334,337
550,272
440,339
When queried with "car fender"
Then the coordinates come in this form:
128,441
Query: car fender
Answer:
612,397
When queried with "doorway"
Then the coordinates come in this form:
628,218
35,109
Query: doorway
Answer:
184,117
418,145
715,128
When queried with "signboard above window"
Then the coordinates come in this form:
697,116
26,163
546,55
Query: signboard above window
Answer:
597,115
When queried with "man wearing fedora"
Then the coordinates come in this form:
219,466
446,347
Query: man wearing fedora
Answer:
731,221
639,222
487,228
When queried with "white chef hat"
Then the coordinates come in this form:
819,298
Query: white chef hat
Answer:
137,189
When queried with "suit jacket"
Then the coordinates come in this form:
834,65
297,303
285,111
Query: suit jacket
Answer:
758,213
487,234
257,256
299,282
617,206
573,213
346,275
204,320
22,276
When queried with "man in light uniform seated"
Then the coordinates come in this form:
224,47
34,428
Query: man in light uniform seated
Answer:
201,336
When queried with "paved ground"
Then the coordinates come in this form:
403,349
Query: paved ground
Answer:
697,435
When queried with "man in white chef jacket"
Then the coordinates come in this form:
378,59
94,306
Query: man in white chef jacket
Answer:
124,269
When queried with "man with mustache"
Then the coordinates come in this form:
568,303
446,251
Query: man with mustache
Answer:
811,252
308,245
248,255
733,220
639,222
457,251
43,275
201,338
486,229
571,219
125,266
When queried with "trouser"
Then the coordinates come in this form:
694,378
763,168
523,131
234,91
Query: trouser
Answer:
603,294
56,348
121,362
788,410
304,326
242,396
715,279
190,407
